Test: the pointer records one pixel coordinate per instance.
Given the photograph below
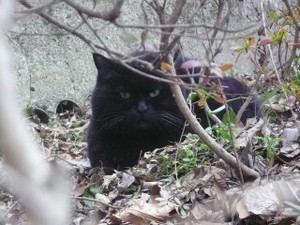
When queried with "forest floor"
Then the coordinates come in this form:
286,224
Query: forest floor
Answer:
180,184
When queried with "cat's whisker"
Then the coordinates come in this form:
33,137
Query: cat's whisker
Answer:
111,122
172,121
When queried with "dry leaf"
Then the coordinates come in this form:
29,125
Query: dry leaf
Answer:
201,102
102,201
203,213
290,151
126,181
219,99
141,212
269,198
225,67
167,67
290,135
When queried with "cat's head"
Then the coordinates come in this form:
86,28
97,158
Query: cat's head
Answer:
125,100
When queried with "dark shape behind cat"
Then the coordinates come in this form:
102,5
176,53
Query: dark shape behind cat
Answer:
133,114
235,90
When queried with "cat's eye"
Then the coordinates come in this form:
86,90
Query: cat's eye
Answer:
154,93
125,95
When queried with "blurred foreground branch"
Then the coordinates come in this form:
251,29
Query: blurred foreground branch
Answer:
28,174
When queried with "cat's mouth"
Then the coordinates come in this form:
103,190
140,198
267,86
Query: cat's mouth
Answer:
142,124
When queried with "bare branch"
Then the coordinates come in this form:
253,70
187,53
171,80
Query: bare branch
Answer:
289,62
63,26
110,15
292,14
173,20
187,26
199,130
38,8
16,143
28,173
47,206
211,114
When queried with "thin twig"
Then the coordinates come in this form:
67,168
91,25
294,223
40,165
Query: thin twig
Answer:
37,9
199,130
98,201
109,15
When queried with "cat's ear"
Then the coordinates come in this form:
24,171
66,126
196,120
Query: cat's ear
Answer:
101,61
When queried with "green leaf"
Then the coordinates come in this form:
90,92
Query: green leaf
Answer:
272,14
229,117
89,192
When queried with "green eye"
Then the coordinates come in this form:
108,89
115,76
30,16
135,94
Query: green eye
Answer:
153,94
125,95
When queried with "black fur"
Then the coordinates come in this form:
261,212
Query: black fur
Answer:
122,126
133,114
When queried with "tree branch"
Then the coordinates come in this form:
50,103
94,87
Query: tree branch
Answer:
110,15
199,130
28,172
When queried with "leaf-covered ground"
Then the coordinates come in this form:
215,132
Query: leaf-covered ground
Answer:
180,184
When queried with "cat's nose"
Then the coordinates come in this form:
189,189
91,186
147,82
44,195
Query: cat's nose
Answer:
142,106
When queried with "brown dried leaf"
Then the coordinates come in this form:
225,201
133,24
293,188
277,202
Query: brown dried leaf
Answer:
141,212
201,102
242,210
167,67
219,99
102,202
203,213
126,181
79,190
269,197
220,183
193,179
226,66
290,151
290,135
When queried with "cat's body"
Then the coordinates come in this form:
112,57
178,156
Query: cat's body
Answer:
133,114
130,114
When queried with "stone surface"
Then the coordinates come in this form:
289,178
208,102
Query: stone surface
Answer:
53,65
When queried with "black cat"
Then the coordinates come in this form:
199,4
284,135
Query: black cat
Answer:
132,114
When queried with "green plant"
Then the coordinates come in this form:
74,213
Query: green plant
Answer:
89,192
186,159
233,73
165,163
292,86
270,144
